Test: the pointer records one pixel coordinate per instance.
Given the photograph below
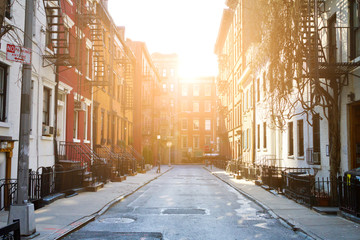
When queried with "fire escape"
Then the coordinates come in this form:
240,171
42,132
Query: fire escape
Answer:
318,63
92,16
58,38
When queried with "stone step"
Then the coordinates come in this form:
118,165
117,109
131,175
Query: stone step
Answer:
94,187
118,179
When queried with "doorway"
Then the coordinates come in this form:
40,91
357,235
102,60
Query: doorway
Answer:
355,135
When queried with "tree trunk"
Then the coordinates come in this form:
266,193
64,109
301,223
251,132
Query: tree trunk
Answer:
334,139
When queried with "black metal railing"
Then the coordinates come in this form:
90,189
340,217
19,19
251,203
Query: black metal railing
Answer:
11,231
129,161
8,189
298,186
349,195
74,152
41,183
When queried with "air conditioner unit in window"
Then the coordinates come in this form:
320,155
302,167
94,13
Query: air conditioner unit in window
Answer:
79,106
47,130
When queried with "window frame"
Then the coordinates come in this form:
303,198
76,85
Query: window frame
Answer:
3,92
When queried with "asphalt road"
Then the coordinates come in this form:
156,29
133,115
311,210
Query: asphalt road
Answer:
185,203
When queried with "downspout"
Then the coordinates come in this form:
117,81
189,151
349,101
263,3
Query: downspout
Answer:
56,114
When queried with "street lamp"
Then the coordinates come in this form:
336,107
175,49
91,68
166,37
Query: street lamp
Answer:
168,144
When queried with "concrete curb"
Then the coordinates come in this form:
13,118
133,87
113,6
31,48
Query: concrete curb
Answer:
285,222
86,219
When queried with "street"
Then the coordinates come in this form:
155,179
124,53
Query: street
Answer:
188,202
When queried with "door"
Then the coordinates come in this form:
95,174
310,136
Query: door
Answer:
355,136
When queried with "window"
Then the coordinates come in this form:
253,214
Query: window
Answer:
102,129
172,87
76,122
108,126
87,62
207,125
264,138
196,107
86,123
332,38
207,90
172,72
8,9
164,87
196,90
3,81
207,106
184,124
46,106
164,73
300,127
184,141
354,29
184,91
196,125
258,90
316,133
208,140
184,106
291,138
196,142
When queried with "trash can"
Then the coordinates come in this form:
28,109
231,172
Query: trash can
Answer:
353,173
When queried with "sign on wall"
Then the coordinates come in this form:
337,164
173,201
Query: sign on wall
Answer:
18,54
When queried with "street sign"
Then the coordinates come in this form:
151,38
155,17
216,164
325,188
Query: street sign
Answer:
18,54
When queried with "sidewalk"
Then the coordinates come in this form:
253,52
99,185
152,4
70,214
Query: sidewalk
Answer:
292,214
67,214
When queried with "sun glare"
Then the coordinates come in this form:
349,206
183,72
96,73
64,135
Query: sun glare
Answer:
188,28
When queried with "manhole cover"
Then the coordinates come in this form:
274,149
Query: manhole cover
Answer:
117,220
185,211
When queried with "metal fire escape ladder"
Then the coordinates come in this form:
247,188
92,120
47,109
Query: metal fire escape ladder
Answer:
129,78
97,36
58,35
314,53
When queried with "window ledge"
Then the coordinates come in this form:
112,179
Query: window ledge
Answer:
76,140
46,138
89,79
86,141
291,157
5,125
301,158
265,150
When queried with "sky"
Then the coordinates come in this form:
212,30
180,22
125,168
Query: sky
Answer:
186,27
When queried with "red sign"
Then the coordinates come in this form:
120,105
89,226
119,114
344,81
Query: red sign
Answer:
18,54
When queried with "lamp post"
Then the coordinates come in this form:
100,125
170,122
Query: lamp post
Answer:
168,144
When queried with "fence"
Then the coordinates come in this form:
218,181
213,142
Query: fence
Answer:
8,188
11,231
349,195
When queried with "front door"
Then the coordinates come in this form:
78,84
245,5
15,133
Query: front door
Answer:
355,136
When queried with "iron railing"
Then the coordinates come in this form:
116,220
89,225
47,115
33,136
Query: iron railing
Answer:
8,189
11,231
349,195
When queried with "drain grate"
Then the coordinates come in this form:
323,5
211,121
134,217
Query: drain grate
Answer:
185,211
